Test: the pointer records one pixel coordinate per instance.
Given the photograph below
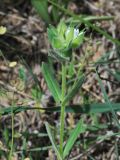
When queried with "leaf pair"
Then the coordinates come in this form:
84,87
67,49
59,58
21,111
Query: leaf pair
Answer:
80,128
54,86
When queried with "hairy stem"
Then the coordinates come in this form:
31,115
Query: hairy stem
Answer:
62,116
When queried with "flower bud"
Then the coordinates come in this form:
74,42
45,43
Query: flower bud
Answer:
69,34
63,39
78,38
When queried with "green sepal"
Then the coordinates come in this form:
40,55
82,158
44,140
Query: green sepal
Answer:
78,40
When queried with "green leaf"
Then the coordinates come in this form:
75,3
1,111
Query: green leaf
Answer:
55,13
22,74
76,21
75,89
69,34
52,33
97,127
41,7
71,69
92,108
61,28
117,75
52,141
51,82
84,109
80,128
57,43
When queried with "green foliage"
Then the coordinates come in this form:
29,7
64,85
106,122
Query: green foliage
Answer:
74,89
63,39
80,128
22,74
51,82
83,109
36,94
55,13
41,7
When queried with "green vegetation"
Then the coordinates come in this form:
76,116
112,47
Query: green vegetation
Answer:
71,60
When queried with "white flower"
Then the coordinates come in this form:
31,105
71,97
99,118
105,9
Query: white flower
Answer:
76,32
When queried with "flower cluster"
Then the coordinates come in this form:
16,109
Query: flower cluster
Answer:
63,39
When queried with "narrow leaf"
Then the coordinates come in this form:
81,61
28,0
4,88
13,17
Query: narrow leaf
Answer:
52,140
84,109
51,81
55,13
80,128
75,89
41,7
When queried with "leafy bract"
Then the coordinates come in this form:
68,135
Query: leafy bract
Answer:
51,82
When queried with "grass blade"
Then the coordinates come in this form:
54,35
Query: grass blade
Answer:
55,13
51,82
89,18
41,7
52,141
84,109
80,128
107,99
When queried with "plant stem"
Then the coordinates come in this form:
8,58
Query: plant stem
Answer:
62,116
